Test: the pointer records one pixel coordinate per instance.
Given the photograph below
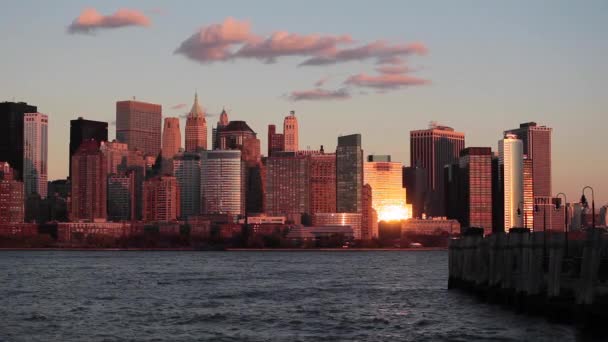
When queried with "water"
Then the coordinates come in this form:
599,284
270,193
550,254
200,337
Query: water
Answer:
247,296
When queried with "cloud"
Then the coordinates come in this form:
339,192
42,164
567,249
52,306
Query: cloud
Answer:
384,81
380,50
283,43
319,94
393,69
214,42
179,106
90,20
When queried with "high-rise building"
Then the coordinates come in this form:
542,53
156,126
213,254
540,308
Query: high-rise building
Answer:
222,182
475,197
11,196
369,217
11,134
349,174
276,141
122,196
187,170
388,195
161,199
221,124
172,138
528,179
35,153
290,132
510,151
415,183
287,185
196,128
322,173
82,130
432,149
537,146
89,183
138,124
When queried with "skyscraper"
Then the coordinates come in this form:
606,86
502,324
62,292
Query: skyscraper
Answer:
369,216
89,183
475,168
222,182
290,132
510,151
233,136
386,182
172,138
161,199
349,174
287,185
187,171
528,180
82,130
322,173
35,153
415,183
221,124
11,196
432,149
276,141
11,134
537,146
196,128
138,124
122,196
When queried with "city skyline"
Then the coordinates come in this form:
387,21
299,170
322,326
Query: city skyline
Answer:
554,84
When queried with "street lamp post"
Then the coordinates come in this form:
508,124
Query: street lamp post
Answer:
565,219
592,204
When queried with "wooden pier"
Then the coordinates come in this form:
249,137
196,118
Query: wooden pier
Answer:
563,279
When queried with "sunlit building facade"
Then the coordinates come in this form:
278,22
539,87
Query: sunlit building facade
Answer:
82,130
322,173
89,183
138,124
290,133
388,194
196,128
287,185
475,173
352,220
222,182
161,199
11,196
35,153
172,138
510,151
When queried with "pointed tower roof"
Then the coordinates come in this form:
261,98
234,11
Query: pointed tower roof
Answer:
197,110
224,118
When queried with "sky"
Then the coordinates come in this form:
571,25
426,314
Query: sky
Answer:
378,68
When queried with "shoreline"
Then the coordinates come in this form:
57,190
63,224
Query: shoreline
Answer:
80,249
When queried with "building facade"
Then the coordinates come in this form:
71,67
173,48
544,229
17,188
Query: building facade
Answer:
221,124
322,173
475,166
510,151
187,171
196,128
432,149
138,124
290,133
11,196
276,141
11,134
369,216
121,196
172,138
352,220
82,130
287,185
161,199
349,174
388,195
415,183
89,183
222,182
35,153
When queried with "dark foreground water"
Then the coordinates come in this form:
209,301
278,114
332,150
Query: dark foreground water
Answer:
247,296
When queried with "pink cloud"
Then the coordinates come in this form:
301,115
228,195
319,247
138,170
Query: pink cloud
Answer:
380,50
319,94
322,81
385,81
291,44
213,42
90,19
179,106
